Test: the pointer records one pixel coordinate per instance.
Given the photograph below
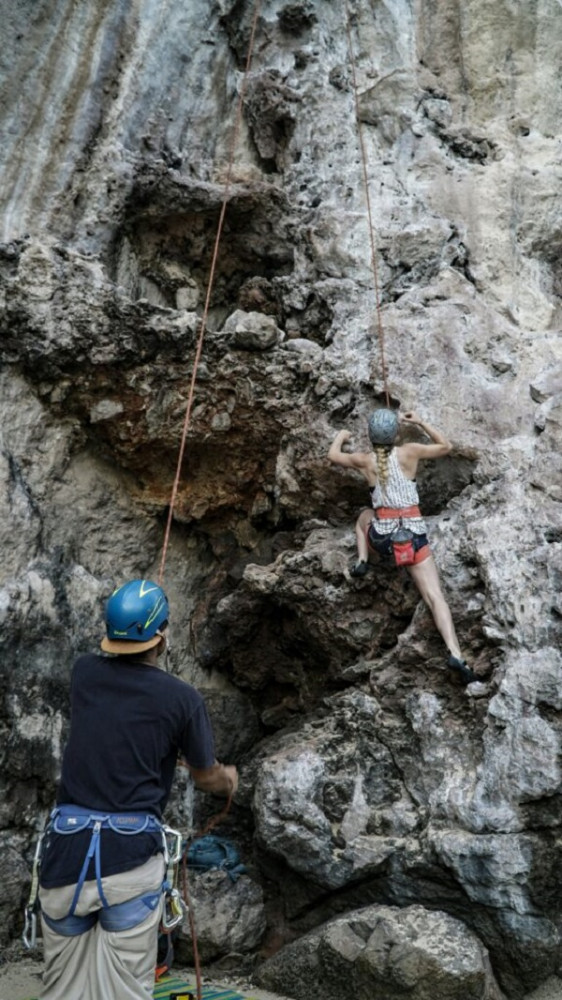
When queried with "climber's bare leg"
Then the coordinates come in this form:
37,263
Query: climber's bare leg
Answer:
426,578
361,528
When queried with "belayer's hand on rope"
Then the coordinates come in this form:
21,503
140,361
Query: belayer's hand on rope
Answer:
221,779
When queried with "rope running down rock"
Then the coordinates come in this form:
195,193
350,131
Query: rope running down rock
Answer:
368,202
202,330
187,422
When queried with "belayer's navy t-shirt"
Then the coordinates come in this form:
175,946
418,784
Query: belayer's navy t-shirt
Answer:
129,722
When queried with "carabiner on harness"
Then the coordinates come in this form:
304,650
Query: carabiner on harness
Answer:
174,907
29,936
173,844
173,911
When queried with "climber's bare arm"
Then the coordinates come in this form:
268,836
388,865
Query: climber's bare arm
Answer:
350,460
410,454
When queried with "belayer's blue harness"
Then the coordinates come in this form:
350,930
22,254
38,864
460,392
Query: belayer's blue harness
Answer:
67,820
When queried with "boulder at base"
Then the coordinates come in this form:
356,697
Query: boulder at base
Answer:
383,951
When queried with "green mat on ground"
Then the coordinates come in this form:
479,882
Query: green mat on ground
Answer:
170,985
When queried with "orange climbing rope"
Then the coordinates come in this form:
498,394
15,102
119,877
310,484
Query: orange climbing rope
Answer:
187,422
202,330
368,203
210,825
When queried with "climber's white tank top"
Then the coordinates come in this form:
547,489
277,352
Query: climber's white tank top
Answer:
398,492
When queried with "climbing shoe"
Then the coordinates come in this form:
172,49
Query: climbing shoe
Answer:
360,569
462,668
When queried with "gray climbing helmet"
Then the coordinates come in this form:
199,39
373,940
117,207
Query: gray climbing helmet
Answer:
383,426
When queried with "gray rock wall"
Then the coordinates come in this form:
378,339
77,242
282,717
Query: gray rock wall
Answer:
368,778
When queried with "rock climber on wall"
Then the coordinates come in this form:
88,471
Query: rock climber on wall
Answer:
393,526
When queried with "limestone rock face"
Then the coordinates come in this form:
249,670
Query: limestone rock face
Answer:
369,778
230,917
334,817
254,331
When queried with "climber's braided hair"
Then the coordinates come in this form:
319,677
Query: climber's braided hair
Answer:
382,454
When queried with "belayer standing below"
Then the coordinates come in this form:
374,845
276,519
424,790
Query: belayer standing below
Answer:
102,871
394,523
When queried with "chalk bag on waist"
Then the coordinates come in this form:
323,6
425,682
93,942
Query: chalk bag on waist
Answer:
402,540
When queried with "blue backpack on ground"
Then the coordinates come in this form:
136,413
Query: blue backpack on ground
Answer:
212,851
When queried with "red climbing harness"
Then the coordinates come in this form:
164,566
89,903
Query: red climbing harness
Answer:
393,513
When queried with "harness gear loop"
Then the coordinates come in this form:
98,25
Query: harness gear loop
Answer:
202,330
368,203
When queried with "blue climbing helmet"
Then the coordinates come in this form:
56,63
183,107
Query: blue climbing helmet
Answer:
134,616
383,426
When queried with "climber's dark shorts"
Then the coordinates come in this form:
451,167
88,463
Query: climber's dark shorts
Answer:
383,546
